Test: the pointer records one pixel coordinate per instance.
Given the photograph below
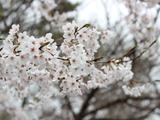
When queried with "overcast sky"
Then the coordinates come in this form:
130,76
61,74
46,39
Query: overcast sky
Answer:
94,11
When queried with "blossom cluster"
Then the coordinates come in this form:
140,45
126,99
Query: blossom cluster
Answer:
31,68
26,60
135,91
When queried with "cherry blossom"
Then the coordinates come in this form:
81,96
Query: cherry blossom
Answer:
31,66
133,91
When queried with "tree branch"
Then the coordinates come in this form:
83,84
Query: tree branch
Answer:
81,114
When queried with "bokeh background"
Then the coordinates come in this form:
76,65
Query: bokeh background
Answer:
133,22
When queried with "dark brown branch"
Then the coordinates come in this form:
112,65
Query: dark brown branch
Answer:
107,105
85,105
70,107
157,14
118,101
133,118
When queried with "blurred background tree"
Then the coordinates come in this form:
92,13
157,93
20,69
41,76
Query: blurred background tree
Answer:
137,24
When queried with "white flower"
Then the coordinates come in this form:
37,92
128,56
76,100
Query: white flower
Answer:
69,36
15,29
68,27
119,71
134,91
70,85
107,36
48,37
65,48
22,36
